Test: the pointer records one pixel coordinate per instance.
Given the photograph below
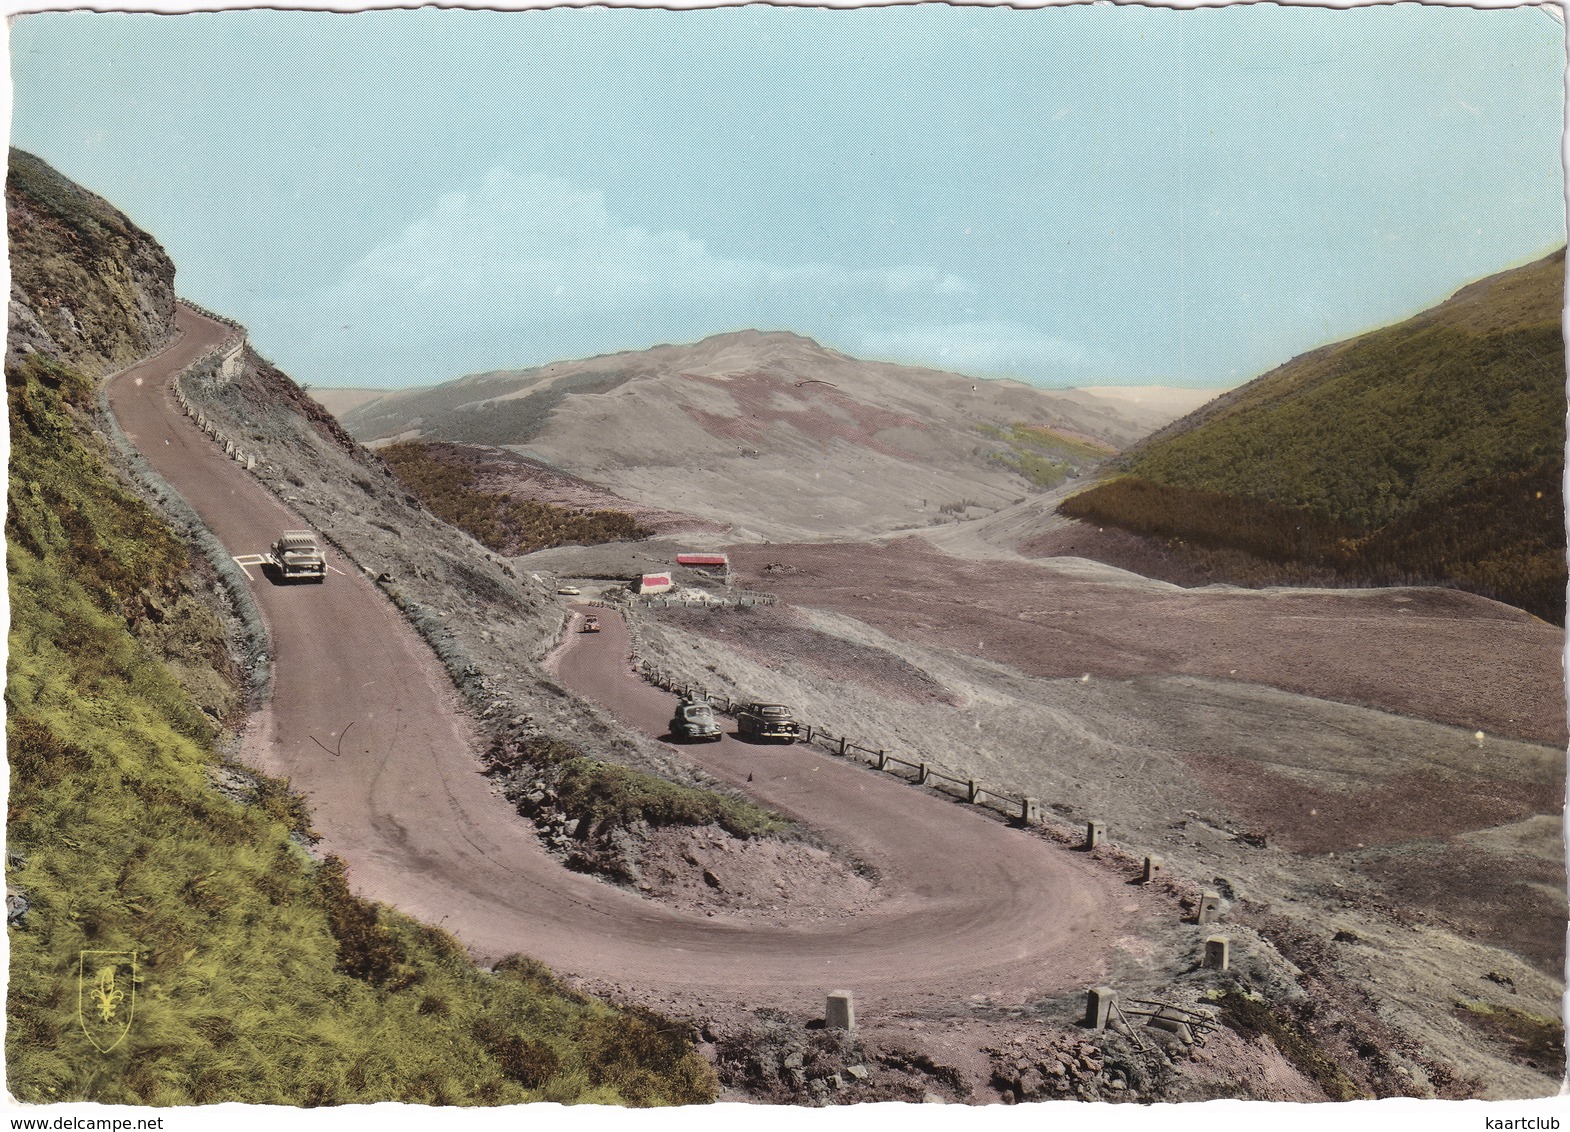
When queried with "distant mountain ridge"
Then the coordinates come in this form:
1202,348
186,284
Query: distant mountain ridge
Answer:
721,355
774,433
1428,451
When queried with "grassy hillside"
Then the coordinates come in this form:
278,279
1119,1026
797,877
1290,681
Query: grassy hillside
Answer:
1427,452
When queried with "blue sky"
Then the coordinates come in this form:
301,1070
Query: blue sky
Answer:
1071,196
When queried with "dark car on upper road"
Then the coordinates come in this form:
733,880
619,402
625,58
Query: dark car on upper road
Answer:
767,723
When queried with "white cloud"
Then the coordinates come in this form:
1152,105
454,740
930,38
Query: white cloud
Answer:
979,347
517,250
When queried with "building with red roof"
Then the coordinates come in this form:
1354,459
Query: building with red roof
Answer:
655,584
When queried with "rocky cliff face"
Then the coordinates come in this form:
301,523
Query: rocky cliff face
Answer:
88,287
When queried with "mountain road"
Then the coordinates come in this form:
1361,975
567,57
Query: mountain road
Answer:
364,723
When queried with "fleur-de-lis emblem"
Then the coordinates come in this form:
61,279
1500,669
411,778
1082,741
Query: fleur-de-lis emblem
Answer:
106,996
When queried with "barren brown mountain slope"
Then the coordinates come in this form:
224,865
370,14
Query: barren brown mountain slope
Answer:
1433,654
773,433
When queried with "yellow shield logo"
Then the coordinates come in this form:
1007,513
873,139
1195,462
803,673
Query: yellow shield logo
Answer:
106,996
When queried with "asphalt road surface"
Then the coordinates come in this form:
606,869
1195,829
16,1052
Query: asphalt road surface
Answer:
364,723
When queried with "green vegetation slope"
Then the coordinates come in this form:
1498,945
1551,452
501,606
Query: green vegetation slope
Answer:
260,976
1427,452
444,478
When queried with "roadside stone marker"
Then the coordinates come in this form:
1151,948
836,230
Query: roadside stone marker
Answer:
1209,907
1094,832
1152,867
1218,952
840,1014
1030,811
1099,1002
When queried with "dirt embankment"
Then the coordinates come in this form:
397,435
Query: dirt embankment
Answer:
1432,654
769,634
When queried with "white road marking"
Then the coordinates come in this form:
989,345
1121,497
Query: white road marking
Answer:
335,569
244,560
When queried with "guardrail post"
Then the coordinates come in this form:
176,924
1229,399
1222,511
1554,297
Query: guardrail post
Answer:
1094,832
921,774
972,791
1209,907
1030,811
808,739
883,760
840,1013
844,742
1218,952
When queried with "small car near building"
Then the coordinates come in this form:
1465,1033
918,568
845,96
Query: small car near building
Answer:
767,723
694,723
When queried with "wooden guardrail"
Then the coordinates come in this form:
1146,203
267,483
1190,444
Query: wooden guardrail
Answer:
743,600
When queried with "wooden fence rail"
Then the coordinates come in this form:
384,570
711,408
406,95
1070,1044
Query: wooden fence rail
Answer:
745,600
